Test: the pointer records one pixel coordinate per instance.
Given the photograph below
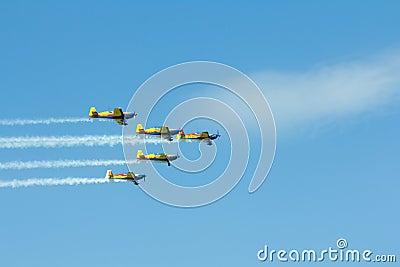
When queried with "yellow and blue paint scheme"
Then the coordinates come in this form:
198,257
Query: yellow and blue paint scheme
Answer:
159,130
203,136
118,115
130,176
161,157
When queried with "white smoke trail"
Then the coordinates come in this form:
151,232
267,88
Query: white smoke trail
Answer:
59,141
44,121
52,182
21,165
70,141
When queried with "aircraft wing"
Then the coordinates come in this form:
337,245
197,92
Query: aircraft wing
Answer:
120,122
165,133
132,177
204,135
118,112
162,157
167,136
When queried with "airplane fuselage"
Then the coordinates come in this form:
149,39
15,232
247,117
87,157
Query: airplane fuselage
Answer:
118,115
130,177
157,131
110,115
198,136
161,157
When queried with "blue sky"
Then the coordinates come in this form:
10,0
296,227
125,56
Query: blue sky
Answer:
336,168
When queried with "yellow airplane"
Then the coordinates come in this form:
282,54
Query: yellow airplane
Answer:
156,157
118,115
204,136
130,176
163,131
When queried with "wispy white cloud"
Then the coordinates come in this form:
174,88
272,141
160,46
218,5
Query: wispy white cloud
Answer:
332,92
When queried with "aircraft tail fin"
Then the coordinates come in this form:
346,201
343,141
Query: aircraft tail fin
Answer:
139,154
139,129
93,112
109,174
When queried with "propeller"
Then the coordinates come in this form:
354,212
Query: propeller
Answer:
215,136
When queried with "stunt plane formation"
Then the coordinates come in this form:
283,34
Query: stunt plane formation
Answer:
163,131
